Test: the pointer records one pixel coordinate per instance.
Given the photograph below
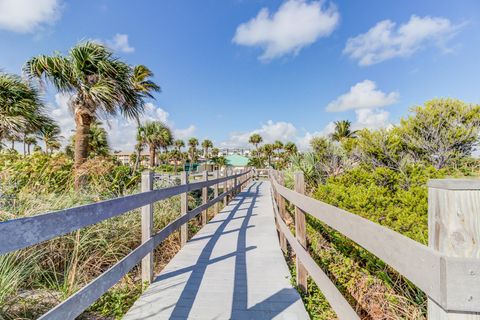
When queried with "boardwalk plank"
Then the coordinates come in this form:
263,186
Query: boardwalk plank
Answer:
232,269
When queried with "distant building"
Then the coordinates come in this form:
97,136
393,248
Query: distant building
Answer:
125,157
237,161
232,151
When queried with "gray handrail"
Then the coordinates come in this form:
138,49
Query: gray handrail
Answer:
425,267
335,298
24,232
81,300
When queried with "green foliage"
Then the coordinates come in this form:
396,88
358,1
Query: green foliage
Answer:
42,174
97,142
383,195
116,301
442,131
38,172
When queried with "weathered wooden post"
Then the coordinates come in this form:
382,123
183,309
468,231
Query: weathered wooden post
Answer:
235,186
300,231
225,186
454,230
204,198
147,227
184,209
216,175
282,211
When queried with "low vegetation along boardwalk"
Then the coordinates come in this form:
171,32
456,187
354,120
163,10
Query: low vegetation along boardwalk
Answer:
232,269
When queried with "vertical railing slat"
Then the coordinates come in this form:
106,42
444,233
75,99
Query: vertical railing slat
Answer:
147,227
216,175
300,232
184,210
204,199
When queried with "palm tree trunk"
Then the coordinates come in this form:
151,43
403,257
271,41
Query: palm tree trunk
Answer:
152,155
137,159
28,148
82,122
24,145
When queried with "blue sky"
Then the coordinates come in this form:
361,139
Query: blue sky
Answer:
285,69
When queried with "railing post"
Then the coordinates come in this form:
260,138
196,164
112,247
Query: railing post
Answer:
184,209
216,175
281,208
300,232
147,227
235,186
453,229
225,186
204,198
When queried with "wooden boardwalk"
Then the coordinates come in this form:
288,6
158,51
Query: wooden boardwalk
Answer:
231,269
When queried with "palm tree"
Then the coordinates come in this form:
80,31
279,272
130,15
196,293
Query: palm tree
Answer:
215,152
255,139
220,161
142,83
21,110
193,144
29,141
98,143
50,134
178,144
277,145
290,148
97,82
343,131
165,139
154,134
206,145
139,145
145,88
268,151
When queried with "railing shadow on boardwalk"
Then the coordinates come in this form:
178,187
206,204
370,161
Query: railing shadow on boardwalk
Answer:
283,298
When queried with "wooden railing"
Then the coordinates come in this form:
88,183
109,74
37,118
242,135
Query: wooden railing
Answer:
24,232
448,271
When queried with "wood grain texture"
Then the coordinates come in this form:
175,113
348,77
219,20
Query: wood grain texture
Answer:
300,231
454,230
184,209
147,227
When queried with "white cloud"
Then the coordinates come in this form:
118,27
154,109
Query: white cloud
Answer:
363,95
269,131
121,131
385,41
296,24
286,131
371,119
185,133
26,16
120,43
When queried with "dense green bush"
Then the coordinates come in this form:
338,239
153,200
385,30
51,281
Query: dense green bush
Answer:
391,198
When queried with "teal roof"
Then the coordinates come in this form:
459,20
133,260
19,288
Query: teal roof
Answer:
237,160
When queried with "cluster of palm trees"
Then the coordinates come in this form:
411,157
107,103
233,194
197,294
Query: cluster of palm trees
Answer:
97,82
270,154
161,143
22,115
